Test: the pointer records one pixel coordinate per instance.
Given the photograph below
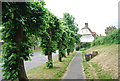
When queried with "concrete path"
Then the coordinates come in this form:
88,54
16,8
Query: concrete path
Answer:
75,68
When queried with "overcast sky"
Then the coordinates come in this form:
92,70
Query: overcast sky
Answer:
99,14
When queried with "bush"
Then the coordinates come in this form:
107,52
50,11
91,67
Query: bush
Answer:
112,38
49,64
77,48
84,46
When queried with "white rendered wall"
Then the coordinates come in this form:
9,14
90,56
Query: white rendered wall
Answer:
84,31
87,38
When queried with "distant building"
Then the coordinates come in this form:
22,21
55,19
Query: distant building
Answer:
87,34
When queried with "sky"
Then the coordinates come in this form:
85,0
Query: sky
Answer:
99,14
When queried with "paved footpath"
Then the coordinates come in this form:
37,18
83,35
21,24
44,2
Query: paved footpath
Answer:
75,68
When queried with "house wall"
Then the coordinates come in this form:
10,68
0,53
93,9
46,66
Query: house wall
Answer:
85,31
87,38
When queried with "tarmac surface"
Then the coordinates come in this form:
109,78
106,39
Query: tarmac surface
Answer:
75,68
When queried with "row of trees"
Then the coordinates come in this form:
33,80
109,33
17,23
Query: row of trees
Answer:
24,20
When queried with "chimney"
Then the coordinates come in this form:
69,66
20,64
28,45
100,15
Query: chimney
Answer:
86,24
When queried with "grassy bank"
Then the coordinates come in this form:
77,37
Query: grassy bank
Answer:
42,72
94,71
104,65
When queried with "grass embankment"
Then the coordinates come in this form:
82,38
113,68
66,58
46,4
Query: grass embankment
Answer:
104,65
42,72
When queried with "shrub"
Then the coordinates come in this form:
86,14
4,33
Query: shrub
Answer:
49,64
85,45
112,38
77,48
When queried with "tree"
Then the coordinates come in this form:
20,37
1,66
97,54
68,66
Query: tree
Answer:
70,21
77,38
109,29
49,38
21,20
62,40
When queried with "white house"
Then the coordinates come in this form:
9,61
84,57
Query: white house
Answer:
87,34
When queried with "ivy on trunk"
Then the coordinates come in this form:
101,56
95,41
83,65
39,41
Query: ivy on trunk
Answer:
21,20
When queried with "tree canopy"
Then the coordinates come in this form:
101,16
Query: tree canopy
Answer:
20,20
25,20
109,29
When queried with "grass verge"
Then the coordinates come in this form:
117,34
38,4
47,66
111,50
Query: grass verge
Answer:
37,50
42,72
94,71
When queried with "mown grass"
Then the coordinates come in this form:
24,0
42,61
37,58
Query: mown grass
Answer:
37,50
94,71
42,72
1,25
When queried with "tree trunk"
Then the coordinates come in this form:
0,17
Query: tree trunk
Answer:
49,51
68,51
21,73
34,47
50,56
65,55
60,56
50,59
72,50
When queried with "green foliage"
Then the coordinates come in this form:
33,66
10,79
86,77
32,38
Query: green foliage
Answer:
85,45
50,36
72,31
109,29
0,34
111,38
62,39
77,48
49,64
62,52
70,21
26,22
21,21
77,38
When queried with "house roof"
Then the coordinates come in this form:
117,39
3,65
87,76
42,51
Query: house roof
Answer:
86,27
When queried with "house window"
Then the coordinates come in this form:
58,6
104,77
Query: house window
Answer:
86,31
